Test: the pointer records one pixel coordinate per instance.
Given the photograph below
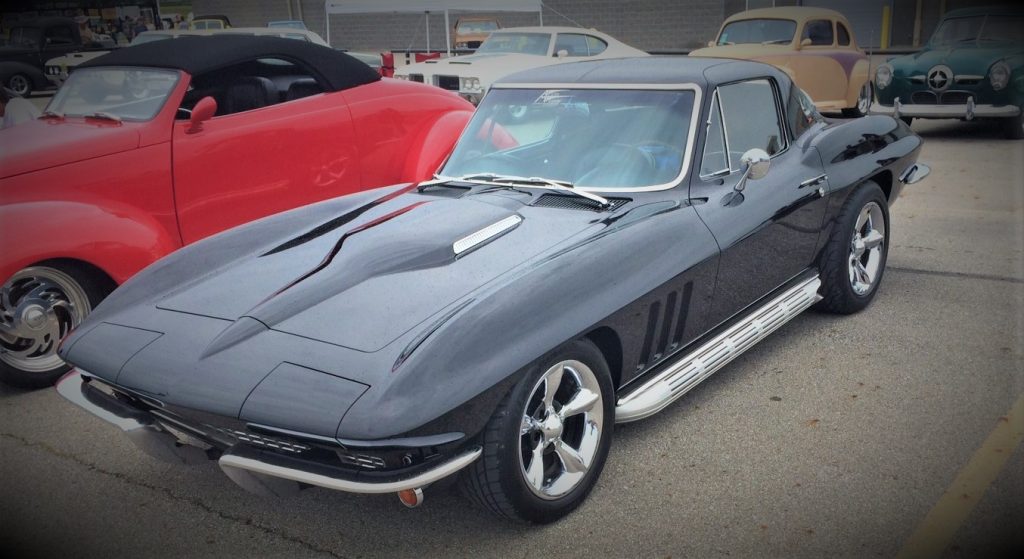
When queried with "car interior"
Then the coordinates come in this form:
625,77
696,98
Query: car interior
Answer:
251,85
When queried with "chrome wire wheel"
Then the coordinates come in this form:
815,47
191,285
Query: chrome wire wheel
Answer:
38,307
561,429
867,248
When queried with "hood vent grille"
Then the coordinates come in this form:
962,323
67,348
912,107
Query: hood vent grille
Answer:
573,203
471,241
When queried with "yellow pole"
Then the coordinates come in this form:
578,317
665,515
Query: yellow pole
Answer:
886,24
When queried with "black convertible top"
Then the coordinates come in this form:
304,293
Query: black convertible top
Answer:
201,54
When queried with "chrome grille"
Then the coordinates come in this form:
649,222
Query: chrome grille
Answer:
361,460
956,97
572,203
261,441
450,83
924,98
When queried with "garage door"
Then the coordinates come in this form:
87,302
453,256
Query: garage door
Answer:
865,16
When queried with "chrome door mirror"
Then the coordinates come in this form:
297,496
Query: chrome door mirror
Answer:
755,164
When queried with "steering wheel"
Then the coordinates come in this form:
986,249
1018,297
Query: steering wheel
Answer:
617,165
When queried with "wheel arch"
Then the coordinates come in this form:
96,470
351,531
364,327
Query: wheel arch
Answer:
884,180
609,344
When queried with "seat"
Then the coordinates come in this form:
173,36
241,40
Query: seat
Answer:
302,88
248,93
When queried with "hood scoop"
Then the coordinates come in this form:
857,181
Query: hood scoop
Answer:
469,242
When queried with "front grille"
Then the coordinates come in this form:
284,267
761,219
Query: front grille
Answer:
924,98
956,97
361,460
261,440
450,83
416,77
567,202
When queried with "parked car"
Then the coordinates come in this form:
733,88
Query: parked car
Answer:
159,145
814,46
971,68
209,22
470,32
31,43
655,219
511,50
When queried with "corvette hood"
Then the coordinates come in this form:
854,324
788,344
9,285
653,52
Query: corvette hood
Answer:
963,60
362,281
41,144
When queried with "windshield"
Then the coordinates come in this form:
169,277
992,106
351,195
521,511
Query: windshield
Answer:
522,43
762,31
961,30
467,27
618,139
126,93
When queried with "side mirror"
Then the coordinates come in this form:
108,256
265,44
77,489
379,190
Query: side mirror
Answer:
562,53
756,163
203,111
805,42
711,43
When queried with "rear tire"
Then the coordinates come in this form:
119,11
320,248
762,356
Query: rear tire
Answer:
20,84
854,260
545,446
1015,126
39,305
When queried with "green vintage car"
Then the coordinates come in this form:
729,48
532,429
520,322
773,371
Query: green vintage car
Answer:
971,68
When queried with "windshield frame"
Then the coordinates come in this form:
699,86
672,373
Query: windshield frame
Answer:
178,76
691,134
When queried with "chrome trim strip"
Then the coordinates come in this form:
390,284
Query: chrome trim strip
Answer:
946,111
443,470
968,78
487,233
813,182
691,136
687,372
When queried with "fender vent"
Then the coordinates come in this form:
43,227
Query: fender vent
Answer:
664,333
574,203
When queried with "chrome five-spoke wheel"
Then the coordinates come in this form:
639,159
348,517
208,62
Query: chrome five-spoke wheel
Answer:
866,248
38,307
561,429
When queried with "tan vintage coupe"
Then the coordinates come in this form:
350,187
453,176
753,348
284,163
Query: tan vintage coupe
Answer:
815,46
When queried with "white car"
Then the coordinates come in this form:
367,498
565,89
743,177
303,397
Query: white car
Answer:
511,50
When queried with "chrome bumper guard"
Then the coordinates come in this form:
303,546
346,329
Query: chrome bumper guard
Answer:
255,471
968,111
915,173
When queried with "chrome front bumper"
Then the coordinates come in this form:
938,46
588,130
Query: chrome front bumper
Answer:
255,470
967,111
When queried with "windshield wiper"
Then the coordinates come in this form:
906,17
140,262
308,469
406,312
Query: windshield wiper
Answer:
52,114
561,186
104,116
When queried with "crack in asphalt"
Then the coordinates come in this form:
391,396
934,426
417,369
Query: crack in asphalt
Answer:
169,494
961,275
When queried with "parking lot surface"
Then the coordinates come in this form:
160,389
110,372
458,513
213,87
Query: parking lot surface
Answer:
837,436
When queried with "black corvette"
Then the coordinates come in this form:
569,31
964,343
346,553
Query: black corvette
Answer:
605,236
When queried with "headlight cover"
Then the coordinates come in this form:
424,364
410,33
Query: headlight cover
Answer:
470,84
999,75
883,76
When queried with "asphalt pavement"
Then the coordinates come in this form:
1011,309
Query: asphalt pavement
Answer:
837,436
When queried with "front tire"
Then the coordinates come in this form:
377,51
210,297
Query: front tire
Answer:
547,443
39,305
854,259
1015,126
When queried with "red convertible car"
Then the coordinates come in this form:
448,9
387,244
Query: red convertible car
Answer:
153,147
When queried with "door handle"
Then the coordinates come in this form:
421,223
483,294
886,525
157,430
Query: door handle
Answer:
814,182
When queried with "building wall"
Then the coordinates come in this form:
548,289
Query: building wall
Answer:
659,25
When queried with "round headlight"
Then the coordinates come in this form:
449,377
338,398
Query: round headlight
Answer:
883,76
469,84
999,75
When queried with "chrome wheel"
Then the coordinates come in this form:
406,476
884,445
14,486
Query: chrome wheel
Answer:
19,84
561,429
866,248
38,307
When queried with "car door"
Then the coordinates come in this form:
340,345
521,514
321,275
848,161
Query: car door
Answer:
260,160
767,232
816,66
